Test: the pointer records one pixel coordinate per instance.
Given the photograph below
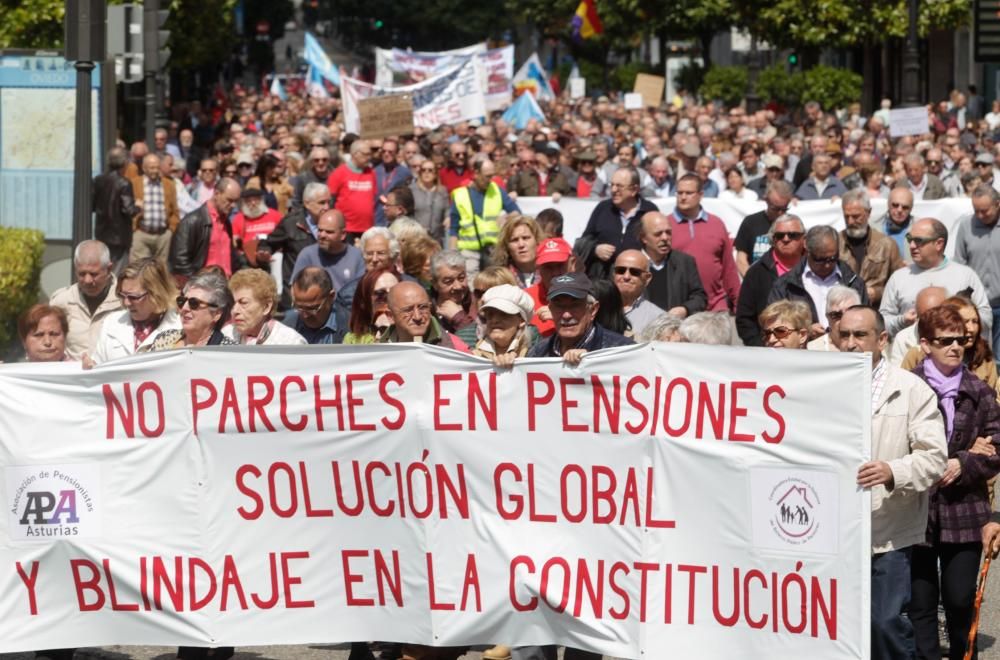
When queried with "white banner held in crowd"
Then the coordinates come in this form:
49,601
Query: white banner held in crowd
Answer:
683,497
395,66
576,212
453,96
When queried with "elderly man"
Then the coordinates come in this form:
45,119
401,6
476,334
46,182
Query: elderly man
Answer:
352,190
318,170
574,309
413,319
919,181
907,338
821,184
839,299
476,215
815,275
674,283
205,236
312,314
704,236
909,453
662,183
398,203
977,244
457,173
295,232
389,174
788,245
897,220
203,188
452,298
752,241
342,262
867,251
774,170
631,275
554,257
88,302
614,223
927,239
114,208
379,248
156,199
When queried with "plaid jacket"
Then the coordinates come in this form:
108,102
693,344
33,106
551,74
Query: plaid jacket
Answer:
959,511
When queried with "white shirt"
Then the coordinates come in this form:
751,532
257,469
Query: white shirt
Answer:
918,190
746,194
817,288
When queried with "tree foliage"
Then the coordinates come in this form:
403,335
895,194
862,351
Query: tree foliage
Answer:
31,23
724,83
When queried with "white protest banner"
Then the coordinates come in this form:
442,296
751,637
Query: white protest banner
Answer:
453,96
395,66
577,88
633,101
908,121
247,496
576,212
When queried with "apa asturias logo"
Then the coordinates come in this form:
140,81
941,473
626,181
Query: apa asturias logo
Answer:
47,502
795,516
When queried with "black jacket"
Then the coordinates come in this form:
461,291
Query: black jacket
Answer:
677,284
114,207
291,236
789,286
598,338
189,247
754,293
605,226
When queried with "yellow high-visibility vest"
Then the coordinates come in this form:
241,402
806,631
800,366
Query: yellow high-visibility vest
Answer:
478,232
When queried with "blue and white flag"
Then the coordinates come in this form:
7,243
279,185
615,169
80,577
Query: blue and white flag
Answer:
524,109
317,58
531,77
277,89
314,84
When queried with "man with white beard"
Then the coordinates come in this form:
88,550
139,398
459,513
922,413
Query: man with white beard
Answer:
254,221
870,253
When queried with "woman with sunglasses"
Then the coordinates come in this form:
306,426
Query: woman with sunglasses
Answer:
370,308
785,324
430,200
204,307
978,355
148,294
517,247
959,503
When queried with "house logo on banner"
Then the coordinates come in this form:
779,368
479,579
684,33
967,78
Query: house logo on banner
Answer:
53,501
794,511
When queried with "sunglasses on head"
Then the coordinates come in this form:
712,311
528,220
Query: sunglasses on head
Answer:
941,342
634,272
194,303
790,235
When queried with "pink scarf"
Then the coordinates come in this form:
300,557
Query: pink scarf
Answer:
946,387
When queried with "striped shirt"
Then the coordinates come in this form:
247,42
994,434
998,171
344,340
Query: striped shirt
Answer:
878,381
154,210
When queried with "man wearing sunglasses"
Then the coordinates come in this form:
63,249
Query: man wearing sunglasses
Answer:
927,240
320,167
897,221
815,275
752,240
631,275
870,253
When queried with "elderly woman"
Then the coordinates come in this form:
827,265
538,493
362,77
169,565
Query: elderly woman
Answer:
430,200
370,307
43,330
507,310
416,257
204,308
254,299
959,503
785,324
665,327
148,294
516,249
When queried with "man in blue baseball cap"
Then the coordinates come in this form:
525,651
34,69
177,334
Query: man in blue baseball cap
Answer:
574,308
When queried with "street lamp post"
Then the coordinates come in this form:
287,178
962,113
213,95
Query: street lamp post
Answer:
753,69
911,60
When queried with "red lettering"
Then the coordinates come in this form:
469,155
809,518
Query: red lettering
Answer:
636,404
569,404
350,579
611,406
241,473
307,498
532,604
91,584
431,596
256,405
283,403
289,580
488,408
535,399
321,403
736,412
776,416
353,402
440,401
396,379
516,500
230,405
29,582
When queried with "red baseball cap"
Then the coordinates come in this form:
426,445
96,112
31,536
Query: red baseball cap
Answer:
552,251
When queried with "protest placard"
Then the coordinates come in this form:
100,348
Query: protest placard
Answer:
651,89
382,116
908,121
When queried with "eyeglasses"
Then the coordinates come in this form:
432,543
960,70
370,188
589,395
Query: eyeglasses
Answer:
941,342
380,294
834,316
321,160
933,162
194,303
208,169
790,235
428,169
423,308
919,241
634,272
132,297
779,331
824,260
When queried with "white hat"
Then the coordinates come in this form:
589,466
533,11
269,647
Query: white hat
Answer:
509,299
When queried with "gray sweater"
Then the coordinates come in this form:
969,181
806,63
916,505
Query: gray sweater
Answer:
903,286
978,247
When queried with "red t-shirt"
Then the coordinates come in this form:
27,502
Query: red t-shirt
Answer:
220,248
251,229
355,195
541,298
583,187
451,179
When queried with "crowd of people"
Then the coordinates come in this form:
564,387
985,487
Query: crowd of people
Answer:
263,222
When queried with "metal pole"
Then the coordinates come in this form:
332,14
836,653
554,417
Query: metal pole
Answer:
150,109
109,106
911,60
753,69
150,46
82,171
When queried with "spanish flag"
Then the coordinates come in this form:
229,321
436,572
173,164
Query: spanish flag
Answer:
586,22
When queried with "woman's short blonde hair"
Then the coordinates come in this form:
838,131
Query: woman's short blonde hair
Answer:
493,276
793,312
260,284
156,282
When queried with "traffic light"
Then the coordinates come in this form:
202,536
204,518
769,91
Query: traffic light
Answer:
378,23
154,42
793,59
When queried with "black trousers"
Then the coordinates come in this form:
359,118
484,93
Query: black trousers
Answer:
954,586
